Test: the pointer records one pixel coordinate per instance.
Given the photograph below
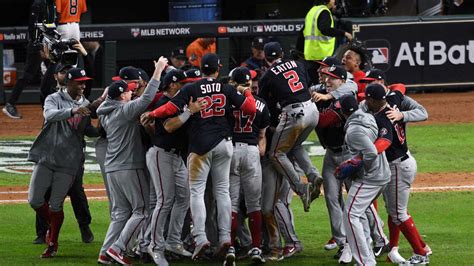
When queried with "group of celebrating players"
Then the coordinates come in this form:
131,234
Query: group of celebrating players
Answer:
188,157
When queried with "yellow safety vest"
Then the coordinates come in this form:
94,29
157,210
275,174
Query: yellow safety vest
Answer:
316,45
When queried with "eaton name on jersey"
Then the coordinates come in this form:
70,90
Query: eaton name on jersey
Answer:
283,67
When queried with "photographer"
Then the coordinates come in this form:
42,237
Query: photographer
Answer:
48,81
41,11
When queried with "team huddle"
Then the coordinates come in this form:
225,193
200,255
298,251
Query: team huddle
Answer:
187,158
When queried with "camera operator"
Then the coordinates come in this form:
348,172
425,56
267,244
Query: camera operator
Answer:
48,81
41,11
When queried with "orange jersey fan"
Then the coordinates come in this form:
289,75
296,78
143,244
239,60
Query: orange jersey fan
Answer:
70,10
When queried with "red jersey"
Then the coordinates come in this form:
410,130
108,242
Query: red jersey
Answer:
360,86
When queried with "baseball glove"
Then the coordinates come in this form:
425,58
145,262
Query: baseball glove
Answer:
349,168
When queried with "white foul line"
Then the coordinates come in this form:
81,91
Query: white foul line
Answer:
105,197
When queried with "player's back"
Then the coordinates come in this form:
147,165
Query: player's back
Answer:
285,81
210,125
247,128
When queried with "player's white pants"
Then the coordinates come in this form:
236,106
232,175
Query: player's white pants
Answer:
217,163
296,123
360,197
69,31
246,172
397,192
333,192
169,176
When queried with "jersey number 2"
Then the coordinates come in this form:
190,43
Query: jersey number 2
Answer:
293,80
238,121
214,105
73,7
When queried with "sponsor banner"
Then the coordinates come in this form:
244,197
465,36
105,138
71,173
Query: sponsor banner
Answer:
422,54
159,30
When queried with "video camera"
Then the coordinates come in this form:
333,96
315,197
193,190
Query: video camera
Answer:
60,51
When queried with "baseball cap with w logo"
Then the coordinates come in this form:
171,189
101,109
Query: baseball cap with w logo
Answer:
77,74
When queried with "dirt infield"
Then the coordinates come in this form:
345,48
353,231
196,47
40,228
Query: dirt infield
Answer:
442,108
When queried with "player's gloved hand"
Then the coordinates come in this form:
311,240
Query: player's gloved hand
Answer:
349,168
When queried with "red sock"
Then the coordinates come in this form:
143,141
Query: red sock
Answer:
255,224
410,232
44,213
394,233
233,227
57,219
376,205
423,244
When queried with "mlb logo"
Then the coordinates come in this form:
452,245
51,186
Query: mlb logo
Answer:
258,28
135,32
379,55
222,29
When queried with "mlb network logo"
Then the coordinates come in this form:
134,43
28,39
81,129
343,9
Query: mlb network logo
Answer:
135,32
379,55
258,28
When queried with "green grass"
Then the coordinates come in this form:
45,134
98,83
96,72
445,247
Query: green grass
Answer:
436,148
9,179
444,220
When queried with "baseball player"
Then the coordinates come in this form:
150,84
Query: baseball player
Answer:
402,164
169,175
331,136
69,16
125,163
245,170
211,149
66,122
361,133
285,81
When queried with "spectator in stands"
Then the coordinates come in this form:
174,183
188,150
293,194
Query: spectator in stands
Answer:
197,49
179,59
257,60
354,62
41,11
69,16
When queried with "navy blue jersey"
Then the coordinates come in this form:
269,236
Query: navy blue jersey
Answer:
399,145
247,127
176,140
330,137
394,132
210,126
286,82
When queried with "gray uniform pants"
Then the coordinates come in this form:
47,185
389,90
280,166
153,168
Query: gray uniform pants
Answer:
170,178
397,192
359,199
43,179
216,162
100,151
128,189
284,215
333,192
271,183
295,126
246,173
